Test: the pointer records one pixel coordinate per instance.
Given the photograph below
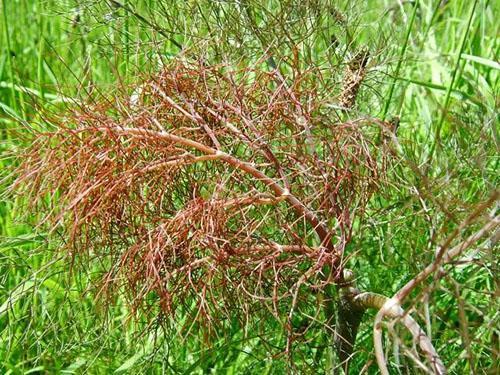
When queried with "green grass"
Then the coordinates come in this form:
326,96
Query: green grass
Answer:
438,71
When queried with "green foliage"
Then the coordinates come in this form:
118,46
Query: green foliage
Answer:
434,65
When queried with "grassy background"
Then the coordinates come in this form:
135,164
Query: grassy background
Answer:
438,71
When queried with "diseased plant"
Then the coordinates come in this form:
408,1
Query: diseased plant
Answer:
218,194
222,193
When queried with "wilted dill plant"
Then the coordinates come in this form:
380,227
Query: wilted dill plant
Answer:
226,186
220,191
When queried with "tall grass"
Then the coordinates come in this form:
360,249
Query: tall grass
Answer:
438,74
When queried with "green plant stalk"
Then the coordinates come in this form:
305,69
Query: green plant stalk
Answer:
400,60
8,52
444,111
41,48
126,41
435,11
330,296
434,86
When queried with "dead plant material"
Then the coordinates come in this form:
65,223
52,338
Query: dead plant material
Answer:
353,77
217,192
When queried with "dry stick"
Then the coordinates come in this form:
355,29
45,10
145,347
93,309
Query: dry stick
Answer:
301,119
263,147
193,116
392,306
182,161
445,256
198,119
320,228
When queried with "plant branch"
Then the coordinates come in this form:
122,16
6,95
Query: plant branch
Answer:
444,255
320,228
392,307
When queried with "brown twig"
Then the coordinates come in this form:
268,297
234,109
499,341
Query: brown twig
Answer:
392,307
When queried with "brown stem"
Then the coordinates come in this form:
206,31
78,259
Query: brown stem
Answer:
349,318
391,308
320,228
353,304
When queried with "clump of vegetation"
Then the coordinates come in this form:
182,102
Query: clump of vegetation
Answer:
257,177
227,194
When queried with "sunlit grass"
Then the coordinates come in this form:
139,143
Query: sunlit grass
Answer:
439,75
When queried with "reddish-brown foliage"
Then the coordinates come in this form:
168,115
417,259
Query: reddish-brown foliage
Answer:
217,191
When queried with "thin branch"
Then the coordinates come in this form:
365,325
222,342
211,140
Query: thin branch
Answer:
444,255
160,30
320,227
392,307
